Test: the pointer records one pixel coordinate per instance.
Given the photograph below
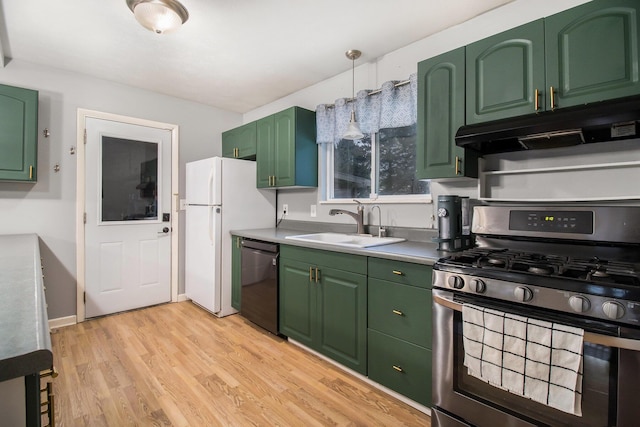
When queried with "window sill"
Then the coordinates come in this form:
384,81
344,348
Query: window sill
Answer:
380,201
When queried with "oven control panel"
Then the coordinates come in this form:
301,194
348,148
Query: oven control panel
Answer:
594,306
552,221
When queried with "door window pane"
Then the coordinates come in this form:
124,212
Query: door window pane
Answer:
129,180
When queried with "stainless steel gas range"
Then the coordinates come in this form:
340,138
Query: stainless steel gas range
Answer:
577,267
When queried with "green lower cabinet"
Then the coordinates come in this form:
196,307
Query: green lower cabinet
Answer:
18,134
400,310
401,366
236,272
325,308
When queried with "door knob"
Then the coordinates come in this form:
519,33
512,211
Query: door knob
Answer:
165,230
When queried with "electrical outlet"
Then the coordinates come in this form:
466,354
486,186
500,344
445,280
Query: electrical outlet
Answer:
313,212
285,210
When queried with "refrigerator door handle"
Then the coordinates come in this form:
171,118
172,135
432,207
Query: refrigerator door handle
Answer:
210,187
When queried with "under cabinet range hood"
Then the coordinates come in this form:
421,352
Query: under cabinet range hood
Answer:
596,122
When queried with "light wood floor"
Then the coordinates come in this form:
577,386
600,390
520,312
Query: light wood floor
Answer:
176,365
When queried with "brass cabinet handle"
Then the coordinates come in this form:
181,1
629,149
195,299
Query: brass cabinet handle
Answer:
553,102
274,181
457,165
31,172
536,104
398,312
317,274
311,274
398,272
398,368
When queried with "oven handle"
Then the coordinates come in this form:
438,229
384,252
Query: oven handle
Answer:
605,340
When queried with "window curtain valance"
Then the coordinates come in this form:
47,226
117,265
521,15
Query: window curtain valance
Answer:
388,107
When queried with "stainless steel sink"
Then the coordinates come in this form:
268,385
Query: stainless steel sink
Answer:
348,240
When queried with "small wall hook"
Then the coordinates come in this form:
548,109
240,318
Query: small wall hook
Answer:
46,133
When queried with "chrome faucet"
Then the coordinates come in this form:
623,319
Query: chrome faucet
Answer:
358,215
381,231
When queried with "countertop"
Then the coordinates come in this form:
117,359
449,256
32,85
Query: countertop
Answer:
417,252
25,343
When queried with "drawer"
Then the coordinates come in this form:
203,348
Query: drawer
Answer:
401,366
340,261
401,311
405,273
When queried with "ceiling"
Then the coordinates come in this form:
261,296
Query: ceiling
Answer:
232,54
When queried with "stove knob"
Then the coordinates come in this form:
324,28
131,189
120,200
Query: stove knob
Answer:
478,286
456,282
613,310
579,304
522,293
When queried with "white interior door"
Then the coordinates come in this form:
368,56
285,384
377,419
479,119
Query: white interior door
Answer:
127,206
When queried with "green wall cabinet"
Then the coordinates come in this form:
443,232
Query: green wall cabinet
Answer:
286,151
236,272
399,327
240,142
323,303
593,52
18,134
504,73
586,54
441,104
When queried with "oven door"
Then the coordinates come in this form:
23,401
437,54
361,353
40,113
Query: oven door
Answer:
460,399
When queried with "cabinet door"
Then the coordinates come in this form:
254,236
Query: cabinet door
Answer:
246,141
18,134
297,301
593,52
342,316
236,272
400,311
265,152
441,100
229,143
503,73
285,147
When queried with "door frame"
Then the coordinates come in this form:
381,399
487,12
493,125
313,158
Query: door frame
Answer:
82,116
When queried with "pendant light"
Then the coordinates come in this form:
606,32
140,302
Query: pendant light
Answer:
159,16
353,131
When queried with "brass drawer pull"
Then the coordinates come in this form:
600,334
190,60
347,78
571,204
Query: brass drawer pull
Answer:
536,103
317,274
311,274
553,102
457,165
398,272
398,312
398,368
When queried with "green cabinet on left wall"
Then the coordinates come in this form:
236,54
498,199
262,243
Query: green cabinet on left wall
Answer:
236,272
18,134
287,154
240,142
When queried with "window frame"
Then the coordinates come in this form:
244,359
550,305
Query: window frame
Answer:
326,181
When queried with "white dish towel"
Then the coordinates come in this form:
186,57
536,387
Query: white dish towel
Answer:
538,360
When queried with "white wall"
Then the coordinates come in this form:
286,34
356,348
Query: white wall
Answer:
398,65
48,207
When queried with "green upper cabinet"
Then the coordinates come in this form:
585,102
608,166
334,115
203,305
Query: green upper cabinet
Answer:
593,51
586,54
504,73
240,142
287,153
18,134
441,101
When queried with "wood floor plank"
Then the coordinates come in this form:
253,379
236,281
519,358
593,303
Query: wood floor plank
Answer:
177,365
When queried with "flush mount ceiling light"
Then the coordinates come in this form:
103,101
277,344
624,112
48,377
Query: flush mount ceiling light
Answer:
159,16
353,131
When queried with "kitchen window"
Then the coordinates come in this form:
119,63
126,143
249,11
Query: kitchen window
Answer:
380,166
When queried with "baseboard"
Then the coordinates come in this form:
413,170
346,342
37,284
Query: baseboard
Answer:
380,387
62,321
182,297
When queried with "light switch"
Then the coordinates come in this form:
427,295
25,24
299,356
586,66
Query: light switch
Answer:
313,211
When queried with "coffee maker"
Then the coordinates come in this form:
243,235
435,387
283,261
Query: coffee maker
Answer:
454,223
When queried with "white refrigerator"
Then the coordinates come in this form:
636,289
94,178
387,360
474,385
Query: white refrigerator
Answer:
221,196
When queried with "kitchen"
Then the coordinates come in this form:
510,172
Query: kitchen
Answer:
49,207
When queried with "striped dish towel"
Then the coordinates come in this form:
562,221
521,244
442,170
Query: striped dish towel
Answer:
538,360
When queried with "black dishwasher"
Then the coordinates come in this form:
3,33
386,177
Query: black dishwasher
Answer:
259,280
